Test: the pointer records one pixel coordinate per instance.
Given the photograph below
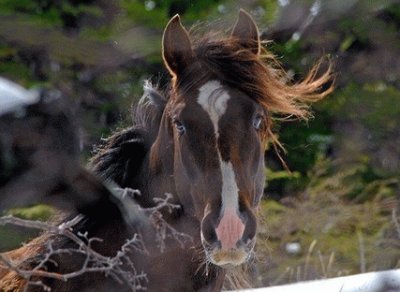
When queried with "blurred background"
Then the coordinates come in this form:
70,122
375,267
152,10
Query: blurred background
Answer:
336,211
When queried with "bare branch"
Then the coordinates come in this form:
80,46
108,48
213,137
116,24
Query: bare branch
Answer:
163,229
120,267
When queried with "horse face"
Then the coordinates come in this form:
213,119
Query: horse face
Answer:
219,161
218,134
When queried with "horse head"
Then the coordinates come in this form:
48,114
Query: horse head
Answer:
217,136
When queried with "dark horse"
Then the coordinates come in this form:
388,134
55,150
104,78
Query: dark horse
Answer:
202,141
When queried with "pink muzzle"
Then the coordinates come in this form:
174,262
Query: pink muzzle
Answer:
230,229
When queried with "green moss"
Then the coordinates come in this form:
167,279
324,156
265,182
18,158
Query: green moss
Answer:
274,175
37,212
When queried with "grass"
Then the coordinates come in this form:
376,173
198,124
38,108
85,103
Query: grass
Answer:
338,234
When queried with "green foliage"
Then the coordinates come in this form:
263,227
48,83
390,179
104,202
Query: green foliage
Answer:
355,29
357,181
270,8
17,71
51,13
371,104
306,142
393,11
11,6
155,14
290,51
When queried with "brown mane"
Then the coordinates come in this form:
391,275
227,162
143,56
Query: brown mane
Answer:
261,76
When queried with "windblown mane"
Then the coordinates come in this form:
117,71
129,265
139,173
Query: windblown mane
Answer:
261,77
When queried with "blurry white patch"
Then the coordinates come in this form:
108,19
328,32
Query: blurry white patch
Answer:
293,248
14,97
213,99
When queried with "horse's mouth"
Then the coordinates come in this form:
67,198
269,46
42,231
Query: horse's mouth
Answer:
228,258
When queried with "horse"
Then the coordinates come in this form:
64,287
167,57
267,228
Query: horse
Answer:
201,140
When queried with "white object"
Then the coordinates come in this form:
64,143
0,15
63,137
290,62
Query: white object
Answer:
293,248
13,96
384,281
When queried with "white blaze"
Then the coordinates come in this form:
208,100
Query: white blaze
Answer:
214,100
230,190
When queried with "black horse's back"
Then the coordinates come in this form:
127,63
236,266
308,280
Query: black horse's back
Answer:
120,157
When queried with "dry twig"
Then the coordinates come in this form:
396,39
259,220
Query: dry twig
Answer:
120,267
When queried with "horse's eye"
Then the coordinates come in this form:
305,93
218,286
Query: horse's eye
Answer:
180,127
257,122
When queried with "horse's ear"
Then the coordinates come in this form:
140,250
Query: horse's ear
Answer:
246,31
176,47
